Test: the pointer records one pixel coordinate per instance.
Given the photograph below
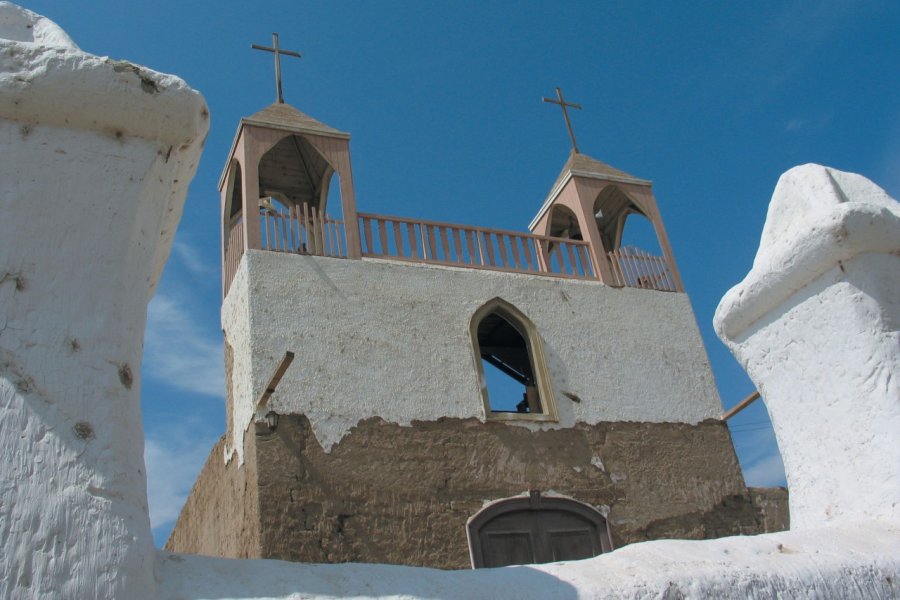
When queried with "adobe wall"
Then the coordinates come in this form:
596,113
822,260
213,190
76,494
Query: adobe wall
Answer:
390,339
402,494
221,514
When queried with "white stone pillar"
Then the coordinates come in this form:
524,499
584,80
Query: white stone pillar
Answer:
816,325
95,159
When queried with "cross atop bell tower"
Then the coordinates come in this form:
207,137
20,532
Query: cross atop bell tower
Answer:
277,52
563,104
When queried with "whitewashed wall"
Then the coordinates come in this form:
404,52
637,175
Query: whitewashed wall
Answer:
95,158
391,339
816,324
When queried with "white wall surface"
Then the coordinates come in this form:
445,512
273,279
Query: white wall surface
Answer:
816,324
845,563
87,214
391,339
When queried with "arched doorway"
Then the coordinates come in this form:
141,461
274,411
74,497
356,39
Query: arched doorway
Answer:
536,529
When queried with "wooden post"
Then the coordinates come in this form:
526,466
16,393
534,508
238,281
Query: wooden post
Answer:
740,406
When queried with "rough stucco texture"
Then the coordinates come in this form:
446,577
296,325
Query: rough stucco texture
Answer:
402,494
388,339
94,168
816,324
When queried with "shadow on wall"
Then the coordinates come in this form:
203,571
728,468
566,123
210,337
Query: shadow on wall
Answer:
189,576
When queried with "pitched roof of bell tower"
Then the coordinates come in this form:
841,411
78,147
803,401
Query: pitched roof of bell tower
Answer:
582,165
280,115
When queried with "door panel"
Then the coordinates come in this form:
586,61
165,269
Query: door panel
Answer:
535,530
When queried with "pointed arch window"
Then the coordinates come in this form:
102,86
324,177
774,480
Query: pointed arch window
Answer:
509,357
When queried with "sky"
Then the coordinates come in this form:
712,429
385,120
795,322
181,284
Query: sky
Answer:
712,101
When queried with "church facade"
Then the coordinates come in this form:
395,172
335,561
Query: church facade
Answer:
412,392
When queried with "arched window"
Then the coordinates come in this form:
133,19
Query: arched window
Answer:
509,356
536,529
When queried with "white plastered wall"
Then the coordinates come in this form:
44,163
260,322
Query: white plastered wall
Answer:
391,339
95,158
816,324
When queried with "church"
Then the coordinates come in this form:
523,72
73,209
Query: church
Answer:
406,391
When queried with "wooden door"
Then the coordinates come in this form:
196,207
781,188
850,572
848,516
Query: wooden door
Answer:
536,529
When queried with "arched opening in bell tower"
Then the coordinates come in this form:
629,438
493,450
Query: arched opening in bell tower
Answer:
296,200
564,223
631,240
233,223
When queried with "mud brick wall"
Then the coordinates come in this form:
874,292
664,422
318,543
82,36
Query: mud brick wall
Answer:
402,494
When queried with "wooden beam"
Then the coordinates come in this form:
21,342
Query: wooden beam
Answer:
274,380
740,406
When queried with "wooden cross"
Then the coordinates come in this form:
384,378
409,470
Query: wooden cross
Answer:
565,104
278,52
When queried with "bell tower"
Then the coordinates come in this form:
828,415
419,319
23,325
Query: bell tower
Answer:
591,201
280,165
282,162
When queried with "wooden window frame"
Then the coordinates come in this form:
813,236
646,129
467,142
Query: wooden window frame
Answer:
535,347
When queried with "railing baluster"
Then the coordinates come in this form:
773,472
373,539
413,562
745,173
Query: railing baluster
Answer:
316,247
332,235
398,238
320,219
646,280
413,241
431,242
382,237
501,245
652,274
367,236
445,244
457,245
489,246
587,262
292,247
573,268
516,263
670,282
304,234
470,244
626,271
629,262
620,271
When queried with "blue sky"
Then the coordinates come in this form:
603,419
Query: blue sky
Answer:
710,100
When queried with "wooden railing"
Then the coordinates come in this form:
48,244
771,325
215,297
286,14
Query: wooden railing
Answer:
635,268
302,230
416,240
233,253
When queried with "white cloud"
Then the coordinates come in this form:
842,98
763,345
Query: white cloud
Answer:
189,257
173,464
178,352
